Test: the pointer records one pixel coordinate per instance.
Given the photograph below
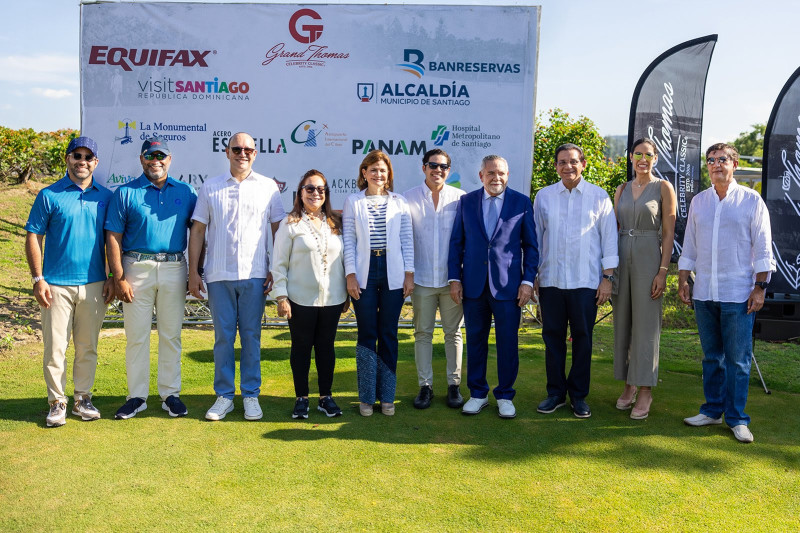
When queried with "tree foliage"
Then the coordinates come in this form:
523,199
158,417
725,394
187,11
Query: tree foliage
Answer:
751,143
25,153
557,128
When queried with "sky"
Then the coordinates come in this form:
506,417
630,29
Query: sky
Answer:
591,54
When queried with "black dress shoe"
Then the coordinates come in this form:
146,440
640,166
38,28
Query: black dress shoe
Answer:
454,398
581,409
423,399
550,404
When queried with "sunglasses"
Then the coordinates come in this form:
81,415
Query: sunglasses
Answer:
638,156
721,160
155,155
239,149
310,189
434,166
86,157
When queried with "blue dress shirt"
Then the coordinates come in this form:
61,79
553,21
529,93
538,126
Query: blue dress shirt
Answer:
71,220
152,220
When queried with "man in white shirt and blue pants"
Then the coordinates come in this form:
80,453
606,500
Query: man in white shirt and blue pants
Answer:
728,244
433,209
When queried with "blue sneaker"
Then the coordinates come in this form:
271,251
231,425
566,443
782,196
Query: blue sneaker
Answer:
131,407
174,406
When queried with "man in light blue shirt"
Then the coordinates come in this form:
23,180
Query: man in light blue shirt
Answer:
147,228
70,284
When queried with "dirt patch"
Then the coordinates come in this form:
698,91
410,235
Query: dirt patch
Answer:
20,321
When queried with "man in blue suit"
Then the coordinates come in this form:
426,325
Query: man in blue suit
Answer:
491,267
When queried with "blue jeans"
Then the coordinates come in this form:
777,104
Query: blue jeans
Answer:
726,335
237,304
377,313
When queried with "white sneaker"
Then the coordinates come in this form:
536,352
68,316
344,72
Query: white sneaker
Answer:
701,420
57,415
742,433
252,411
84,409
505,409
221,407
474,406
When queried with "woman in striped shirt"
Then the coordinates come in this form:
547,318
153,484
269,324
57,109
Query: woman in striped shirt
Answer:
379,264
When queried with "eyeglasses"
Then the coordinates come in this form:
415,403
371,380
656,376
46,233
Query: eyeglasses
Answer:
721,160
434,166
155,155
86,157
239,149
638,156
310,189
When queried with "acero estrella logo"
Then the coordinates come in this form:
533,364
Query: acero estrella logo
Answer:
303,32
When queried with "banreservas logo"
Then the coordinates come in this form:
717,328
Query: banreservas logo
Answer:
127,58
414,64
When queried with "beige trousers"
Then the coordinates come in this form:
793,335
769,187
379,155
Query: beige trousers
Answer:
425,301
77,311
161,285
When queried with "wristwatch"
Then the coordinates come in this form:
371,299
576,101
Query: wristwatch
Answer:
37,279
762,284
609,278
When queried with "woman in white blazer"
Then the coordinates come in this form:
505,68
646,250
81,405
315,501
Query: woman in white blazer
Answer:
309,286
379,265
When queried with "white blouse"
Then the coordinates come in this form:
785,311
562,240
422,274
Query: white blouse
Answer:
308,264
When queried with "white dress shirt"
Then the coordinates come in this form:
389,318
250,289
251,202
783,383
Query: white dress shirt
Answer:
726,243
432,229
399,239
238,217
308,265
577,235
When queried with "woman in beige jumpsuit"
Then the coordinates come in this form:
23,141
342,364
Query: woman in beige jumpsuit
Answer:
645,209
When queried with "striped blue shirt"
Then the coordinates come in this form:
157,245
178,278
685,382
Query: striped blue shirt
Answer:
376,207
71,220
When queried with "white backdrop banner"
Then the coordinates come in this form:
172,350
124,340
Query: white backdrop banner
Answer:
316,86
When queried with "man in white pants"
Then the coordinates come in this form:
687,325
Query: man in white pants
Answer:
65,228
147,228
433,210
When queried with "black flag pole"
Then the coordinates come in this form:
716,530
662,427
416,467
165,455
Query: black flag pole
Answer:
667,106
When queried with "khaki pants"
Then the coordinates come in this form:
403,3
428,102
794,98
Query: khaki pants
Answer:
425,301
161,285
77,311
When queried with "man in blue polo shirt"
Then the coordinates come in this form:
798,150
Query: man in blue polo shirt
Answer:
147,228
71,286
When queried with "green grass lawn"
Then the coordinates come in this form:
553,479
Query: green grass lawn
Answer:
431,470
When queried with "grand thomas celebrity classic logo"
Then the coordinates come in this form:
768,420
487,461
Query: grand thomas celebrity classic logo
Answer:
305,27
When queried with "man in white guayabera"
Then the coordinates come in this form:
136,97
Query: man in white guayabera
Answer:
238,209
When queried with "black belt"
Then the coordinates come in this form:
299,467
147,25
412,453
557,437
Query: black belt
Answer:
159,257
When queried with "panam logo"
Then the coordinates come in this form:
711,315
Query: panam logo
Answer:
414,64
393,147
127,58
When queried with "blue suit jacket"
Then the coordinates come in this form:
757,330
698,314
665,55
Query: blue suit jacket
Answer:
507,258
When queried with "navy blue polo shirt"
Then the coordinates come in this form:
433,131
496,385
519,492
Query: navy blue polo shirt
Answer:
71,220
152,220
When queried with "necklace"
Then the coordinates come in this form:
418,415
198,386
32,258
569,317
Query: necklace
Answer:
322,246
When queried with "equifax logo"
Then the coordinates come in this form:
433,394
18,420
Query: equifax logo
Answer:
303,32
127,58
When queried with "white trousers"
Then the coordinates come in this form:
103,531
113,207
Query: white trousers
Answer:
161,285
77,311
425,301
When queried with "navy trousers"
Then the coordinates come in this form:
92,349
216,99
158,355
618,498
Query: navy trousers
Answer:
478,314
578,309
